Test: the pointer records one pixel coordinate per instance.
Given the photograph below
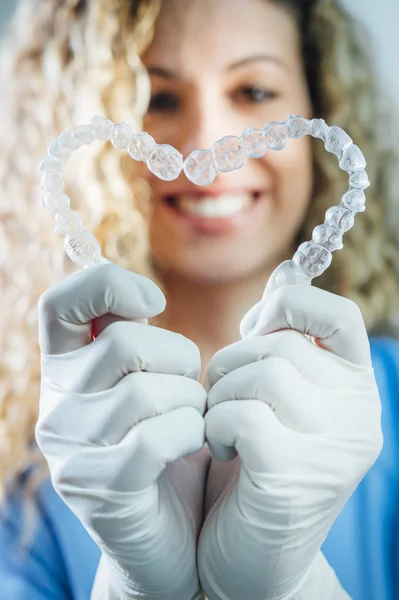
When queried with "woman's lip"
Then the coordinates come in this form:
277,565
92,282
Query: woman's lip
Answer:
213,226
204,192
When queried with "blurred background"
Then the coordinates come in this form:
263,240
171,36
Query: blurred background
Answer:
381,17
6,10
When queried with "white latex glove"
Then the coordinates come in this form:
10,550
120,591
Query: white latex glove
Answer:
118,416
305,422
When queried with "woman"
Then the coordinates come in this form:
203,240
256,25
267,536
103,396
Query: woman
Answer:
215,68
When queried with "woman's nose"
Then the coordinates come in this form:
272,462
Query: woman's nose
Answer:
206,123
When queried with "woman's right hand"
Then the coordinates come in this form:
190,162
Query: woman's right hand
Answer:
119,416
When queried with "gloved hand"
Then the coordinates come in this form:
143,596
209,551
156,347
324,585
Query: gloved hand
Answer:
304,419
118,417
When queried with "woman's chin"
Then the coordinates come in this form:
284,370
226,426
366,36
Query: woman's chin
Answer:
214,270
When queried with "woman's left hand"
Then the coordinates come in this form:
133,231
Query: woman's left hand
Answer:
304,418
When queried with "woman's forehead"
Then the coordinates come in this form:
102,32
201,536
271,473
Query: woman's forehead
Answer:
221,32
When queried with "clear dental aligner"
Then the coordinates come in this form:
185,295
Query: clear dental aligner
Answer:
201,167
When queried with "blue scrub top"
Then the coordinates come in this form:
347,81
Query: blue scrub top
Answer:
362,546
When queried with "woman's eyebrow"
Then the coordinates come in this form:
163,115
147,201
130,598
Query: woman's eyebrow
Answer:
162,72
258,58
165,73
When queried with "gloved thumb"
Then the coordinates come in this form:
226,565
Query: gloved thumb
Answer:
67,310
287,273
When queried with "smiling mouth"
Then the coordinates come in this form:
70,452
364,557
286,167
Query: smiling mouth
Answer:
221,206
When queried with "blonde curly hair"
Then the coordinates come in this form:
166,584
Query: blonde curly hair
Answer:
65,60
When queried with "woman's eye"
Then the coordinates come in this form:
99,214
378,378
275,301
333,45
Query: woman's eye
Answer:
254,93
163,102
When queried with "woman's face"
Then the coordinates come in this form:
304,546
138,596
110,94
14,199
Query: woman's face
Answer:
217,67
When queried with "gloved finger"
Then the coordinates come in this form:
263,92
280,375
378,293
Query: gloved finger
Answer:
134,463
66,311
104,418
99,324
287,273
322,368
253,430
123,348
297,403
335,322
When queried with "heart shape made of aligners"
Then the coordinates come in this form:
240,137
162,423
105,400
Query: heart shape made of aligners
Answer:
201,168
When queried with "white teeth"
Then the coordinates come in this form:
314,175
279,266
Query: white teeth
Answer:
222,206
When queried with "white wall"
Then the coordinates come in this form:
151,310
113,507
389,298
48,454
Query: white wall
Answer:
381,17
6,9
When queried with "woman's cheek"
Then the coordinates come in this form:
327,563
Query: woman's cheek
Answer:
293,166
